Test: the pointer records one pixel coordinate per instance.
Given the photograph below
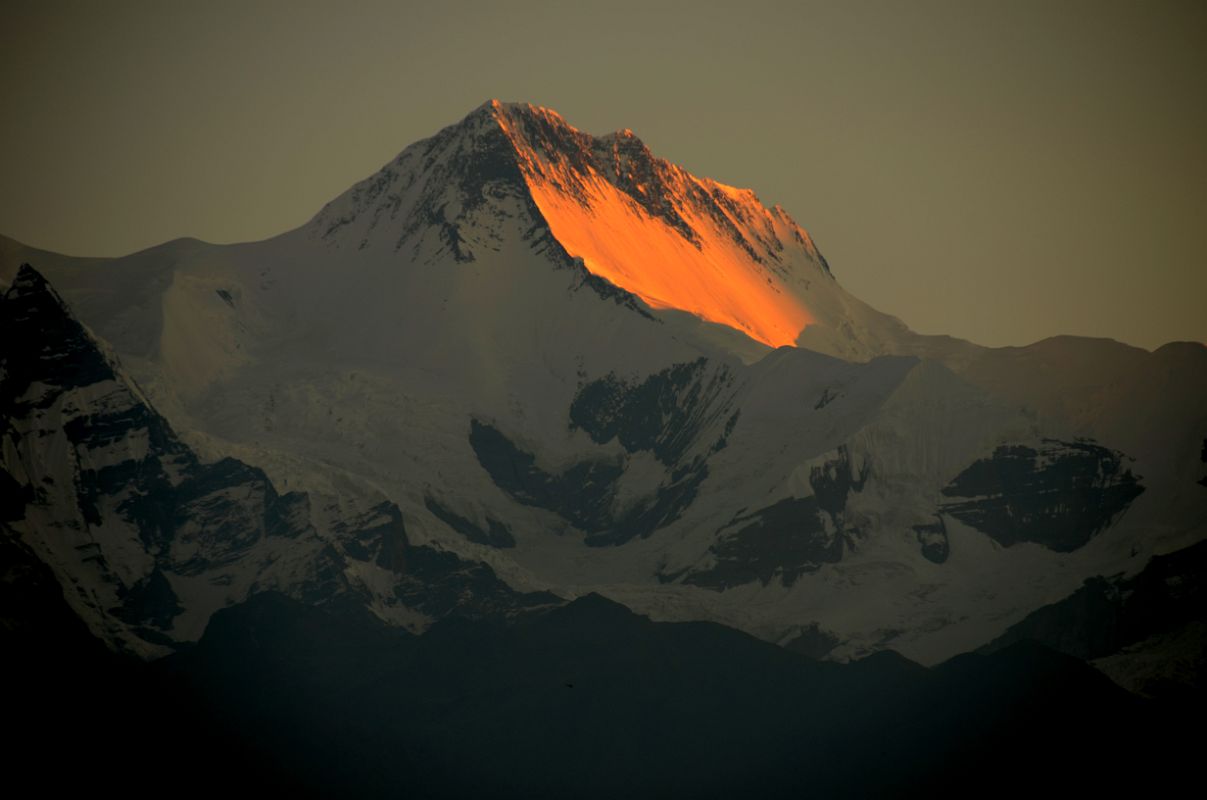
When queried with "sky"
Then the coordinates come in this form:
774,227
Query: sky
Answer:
998,171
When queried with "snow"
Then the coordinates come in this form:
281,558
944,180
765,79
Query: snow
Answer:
356,349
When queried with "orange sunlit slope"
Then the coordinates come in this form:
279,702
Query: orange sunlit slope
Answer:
620,240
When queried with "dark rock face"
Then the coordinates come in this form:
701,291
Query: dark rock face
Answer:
40,343
147,476
665,506
1107,614
582,495
1059,495
224,509
495,534
671,415
833,482
441,584
789,538
933,539
786,539
377,535
666,414
433,582
585,493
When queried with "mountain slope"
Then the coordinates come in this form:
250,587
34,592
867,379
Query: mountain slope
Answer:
147,539
455,337
591,700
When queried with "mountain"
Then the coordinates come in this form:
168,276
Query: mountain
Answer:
147,540
586,699
564,364
590,700
1145,631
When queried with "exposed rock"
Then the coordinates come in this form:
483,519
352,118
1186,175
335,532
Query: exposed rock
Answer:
1059,494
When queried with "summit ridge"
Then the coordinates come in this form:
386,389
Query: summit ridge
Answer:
643,224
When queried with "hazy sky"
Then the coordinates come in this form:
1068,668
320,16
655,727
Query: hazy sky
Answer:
999,171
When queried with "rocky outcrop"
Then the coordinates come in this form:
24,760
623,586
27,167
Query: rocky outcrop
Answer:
791,537
1057,494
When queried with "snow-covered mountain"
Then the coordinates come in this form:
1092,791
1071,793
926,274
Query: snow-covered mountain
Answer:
148,541
565,358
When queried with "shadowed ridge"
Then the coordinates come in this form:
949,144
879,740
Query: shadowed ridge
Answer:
32,311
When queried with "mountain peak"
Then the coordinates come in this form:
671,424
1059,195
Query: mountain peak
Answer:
29,281
640,222
42,344
652,228
30,296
